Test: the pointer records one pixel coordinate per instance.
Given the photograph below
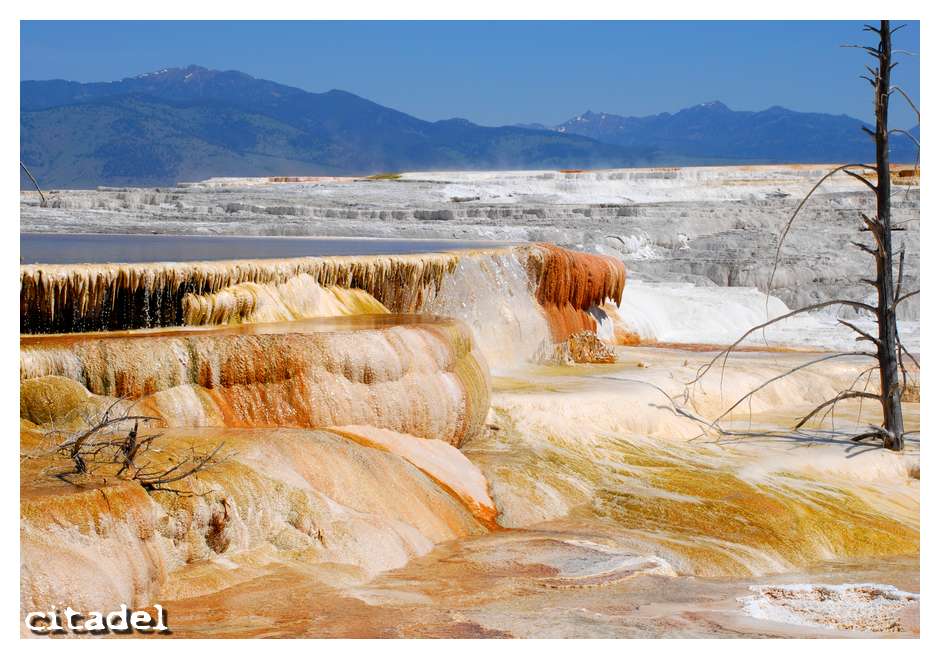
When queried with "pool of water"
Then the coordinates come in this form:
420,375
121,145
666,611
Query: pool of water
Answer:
137,248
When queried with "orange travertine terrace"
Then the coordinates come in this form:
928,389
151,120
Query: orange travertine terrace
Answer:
410,374
318,365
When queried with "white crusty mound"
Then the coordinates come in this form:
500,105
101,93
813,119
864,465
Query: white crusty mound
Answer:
858,607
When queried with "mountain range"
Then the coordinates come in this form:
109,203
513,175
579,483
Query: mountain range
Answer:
192,123
714,131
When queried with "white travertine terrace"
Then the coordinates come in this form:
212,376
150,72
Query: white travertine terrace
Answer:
705,225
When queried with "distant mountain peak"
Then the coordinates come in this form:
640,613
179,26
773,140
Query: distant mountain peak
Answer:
714,105
187,73
589,115
170,71
150,74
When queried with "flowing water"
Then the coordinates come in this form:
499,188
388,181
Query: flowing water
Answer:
399,463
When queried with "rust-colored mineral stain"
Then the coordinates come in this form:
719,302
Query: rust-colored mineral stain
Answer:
565,320
582,280
569,283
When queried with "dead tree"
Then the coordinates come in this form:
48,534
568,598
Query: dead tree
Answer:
887,348
83,447
107,445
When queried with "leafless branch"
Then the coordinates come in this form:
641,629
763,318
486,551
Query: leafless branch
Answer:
896,88
862,334
160,480
865,248
864,180
901,131
845,395
791,371
901,298
810,307
871,51
42,197
904,350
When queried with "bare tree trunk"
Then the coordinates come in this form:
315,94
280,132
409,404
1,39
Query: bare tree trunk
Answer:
887,312
888,344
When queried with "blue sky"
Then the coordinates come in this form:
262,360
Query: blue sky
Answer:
496,73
